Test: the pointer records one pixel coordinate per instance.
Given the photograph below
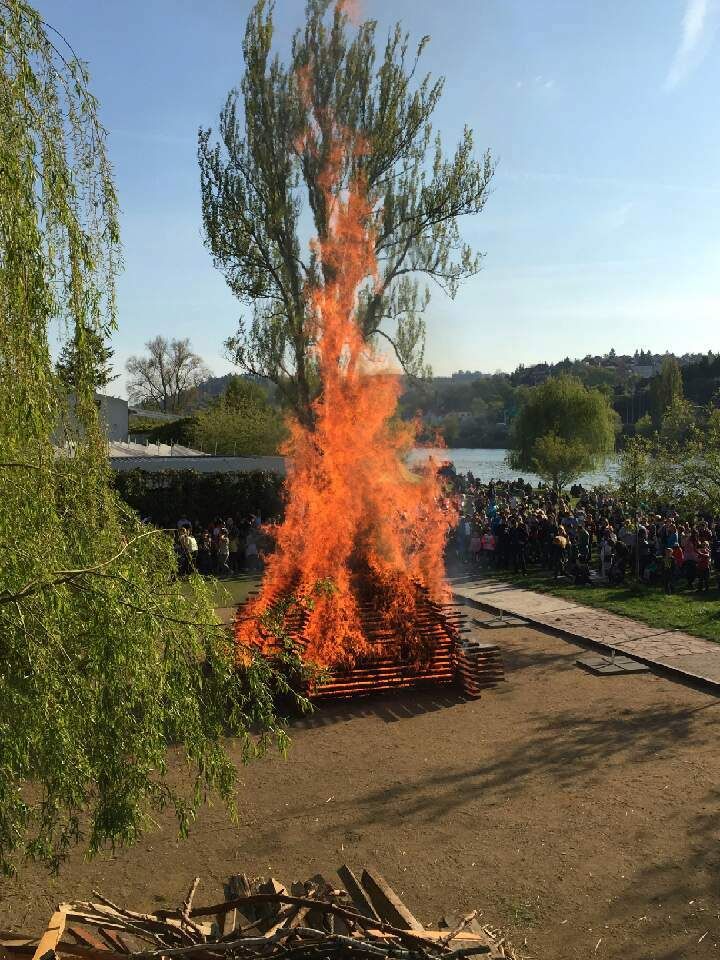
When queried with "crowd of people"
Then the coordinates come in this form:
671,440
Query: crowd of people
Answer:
509,525
585,536
222,548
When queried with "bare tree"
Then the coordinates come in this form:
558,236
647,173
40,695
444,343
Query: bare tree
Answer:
167,377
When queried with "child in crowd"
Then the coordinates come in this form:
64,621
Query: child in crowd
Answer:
679,558
703,563
606,555
476,545
488,547
668,570
252,555
223,552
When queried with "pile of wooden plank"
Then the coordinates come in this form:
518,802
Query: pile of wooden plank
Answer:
387,672
429,650
362,918
478,665
449,658
396,662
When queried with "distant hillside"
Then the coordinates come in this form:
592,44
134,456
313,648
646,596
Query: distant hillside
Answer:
214,387
609,368
475,409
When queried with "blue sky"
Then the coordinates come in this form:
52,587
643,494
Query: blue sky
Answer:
602,230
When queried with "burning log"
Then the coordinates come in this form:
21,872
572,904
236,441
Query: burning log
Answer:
366,921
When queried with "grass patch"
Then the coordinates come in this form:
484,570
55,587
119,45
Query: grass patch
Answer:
233,590
521,913
686,610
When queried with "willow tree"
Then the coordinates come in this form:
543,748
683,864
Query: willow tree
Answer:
262,186
563,429
104,659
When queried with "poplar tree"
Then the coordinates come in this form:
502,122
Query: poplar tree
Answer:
105,659
262,185
665,389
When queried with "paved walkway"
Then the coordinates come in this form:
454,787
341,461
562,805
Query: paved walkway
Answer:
690,657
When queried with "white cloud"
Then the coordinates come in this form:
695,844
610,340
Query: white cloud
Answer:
694,43
538,83
614,218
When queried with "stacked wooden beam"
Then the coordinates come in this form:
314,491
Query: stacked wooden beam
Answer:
394,664
364,919
429,651
388,672
478,665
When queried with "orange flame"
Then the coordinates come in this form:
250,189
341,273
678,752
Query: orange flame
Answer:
357,521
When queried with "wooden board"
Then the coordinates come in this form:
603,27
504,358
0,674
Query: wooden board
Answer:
239,885
387,903
227,922
354,889
87,938
50,939
114,940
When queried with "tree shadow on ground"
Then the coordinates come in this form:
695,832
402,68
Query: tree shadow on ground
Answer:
687,885
518,657
568,748
490,584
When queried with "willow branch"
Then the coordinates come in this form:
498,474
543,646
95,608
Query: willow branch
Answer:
63,576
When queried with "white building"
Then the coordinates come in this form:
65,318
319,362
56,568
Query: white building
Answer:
114,414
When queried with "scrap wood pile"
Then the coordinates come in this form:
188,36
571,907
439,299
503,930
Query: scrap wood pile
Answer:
261,920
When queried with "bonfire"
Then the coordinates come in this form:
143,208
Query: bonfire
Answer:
360,549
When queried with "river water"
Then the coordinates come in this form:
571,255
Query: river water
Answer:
490,465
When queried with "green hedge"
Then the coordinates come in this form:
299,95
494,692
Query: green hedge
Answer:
177,431
167,495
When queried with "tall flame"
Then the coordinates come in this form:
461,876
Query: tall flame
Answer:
356,518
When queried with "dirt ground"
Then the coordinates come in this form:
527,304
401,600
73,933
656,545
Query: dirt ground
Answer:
579,813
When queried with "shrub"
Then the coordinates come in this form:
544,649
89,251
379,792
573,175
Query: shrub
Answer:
165,496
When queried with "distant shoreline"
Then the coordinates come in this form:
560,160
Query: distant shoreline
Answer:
488,463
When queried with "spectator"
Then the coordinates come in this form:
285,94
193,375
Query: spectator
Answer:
703,563
222,553
252,555
668,570
234,558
